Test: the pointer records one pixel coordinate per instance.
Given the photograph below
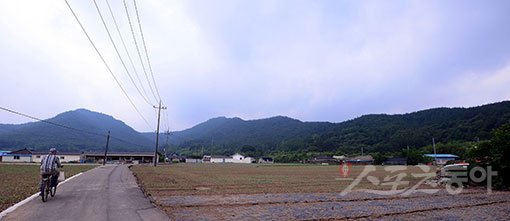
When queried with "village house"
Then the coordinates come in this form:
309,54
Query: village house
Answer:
27,156
120,157
236,158
192,160
441,159
65,157
396,161
323,160
18,156
3,153
266,160
361,160
220,159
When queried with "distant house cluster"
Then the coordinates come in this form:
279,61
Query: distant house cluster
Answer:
28,156
442,159
356,160
236,158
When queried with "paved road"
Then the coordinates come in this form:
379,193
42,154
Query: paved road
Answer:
104,193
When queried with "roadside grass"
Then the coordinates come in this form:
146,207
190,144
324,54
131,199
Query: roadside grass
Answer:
220,179
19,181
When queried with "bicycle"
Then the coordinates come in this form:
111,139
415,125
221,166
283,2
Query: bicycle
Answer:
48,186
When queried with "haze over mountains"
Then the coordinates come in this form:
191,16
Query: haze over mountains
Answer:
376,132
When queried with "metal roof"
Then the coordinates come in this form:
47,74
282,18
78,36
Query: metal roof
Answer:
145,154
220,157
442,155
58,153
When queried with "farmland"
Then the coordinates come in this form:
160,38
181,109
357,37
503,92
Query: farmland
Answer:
227,191
19,181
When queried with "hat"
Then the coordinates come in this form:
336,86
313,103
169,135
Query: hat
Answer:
53,150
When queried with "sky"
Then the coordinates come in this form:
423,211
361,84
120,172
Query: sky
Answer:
309,60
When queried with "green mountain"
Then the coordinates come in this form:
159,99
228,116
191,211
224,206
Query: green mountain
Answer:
376,132
233,133
41,135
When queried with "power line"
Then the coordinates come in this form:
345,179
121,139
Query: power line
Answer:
145,47
166,119
49,122
138,50
66,127
106,64
117,51
127,51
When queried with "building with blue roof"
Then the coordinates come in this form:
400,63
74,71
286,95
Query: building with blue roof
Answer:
441,159
3,153
19,156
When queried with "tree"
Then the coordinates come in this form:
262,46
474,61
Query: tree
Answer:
251,151
379,158
415,156
495,153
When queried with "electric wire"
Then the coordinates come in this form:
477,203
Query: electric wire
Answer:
167,121
106,64
145,48
117,52
127,51
138,50
68,127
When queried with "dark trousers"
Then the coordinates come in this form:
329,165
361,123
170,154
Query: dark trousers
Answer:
53,179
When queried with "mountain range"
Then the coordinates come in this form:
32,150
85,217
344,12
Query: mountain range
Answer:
41,135
221,135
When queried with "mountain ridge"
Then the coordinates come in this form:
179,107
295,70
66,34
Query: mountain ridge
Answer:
40,135
384,132
222,135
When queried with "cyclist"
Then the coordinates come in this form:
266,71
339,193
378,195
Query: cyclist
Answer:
50,165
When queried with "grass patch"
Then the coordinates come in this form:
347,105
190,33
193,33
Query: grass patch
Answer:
21,181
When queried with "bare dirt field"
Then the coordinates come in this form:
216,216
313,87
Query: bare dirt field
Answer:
309,192
19,181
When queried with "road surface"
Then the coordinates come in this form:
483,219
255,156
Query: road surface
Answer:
103,193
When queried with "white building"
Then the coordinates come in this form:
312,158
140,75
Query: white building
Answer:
190,160
236,158
19,156
221,159
266,160
64,157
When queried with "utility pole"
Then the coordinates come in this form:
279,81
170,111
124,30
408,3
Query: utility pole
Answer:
106,149
434,146
157,133
361,150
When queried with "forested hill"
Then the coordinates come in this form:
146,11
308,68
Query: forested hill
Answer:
41,136
232,133
378,132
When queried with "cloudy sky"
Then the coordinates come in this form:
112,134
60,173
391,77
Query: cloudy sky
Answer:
310,60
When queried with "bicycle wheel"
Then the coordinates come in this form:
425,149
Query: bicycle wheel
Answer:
44,196
53,190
